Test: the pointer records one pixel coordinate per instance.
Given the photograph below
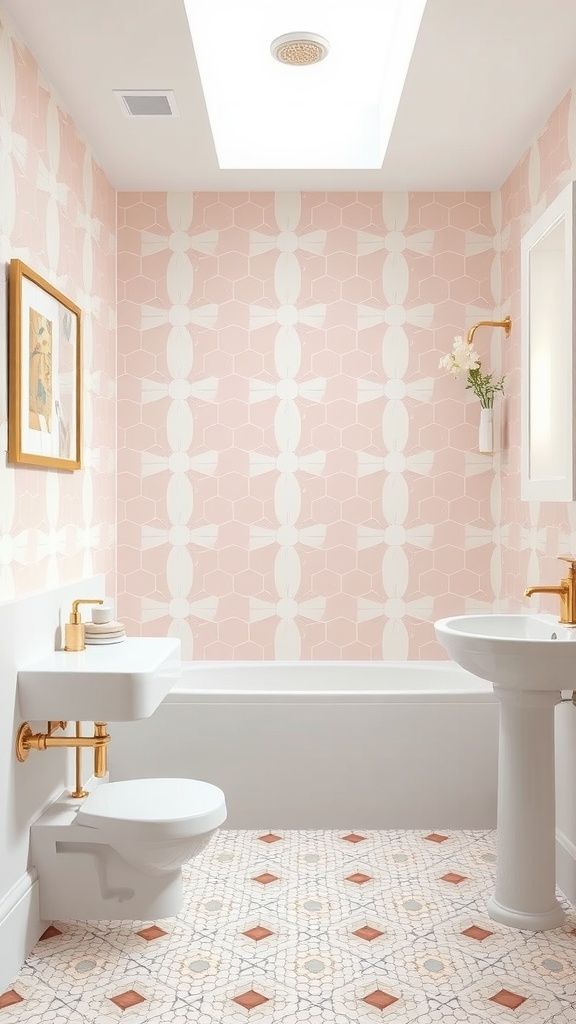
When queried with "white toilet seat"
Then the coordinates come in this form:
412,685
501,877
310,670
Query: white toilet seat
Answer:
154,809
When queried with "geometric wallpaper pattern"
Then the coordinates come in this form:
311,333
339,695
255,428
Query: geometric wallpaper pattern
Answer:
297,478
57,214
327,499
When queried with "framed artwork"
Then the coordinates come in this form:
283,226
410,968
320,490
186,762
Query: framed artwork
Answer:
44,373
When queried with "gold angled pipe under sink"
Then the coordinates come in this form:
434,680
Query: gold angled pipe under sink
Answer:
27,740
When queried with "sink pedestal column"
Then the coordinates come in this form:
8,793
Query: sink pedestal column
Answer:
525,894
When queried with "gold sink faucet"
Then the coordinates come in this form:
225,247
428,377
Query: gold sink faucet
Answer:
74,630
566,592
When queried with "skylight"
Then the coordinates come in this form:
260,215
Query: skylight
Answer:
334,114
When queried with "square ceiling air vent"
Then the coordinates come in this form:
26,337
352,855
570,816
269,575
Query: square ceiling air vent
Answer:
147,102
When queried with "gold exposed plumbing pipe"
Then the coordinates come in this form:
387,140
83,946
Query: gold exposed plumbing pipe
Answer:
506,323
78,793
100,750
26,741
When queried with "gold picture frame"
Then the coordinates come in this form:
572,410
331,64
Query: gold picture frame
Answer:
44,373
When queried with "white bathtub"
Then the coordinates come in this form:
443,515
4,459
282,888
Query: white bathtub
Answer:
326,744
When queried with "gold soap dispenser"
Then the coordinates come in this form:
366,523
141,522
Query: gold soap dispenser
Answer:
74,630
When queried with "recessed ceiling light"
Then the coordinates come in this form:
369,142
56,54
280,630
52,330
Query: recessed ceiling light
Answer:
299,48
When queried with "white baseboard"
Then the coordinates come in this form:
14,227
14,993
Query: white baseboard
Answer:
566,866
20,926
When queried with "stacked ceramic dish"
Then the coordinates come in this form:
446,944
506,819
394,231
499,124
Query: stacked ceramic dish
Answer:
103,629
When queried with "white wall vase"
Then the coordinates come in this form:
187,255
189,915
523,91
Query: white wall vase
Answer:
486,431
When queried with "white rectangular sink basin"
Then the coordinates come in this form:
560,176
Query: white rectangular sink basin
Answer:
109,683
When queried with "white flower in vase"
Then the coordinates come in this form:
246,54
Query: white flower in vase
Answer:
464,358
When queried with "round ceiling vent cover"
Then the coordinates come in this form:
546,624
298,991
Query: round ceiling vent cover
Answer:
299,48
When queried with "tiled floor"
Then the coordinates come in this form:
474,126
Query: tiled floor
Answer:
314,927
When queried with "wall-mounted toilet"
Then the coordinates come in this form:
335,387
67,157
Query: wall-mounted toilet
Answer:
118,855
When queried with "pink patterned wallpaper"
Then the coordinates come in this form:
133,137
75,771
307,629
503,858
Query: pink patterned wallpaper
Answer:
58,215
297,478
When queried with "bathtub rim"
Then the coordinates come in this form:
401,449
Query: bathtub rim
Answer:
187,691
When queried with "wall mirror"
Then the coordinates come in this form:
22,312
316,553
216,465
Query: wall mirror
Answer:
548,450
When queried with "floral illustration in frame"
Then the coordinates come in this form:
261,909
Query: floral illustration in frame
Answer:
44,373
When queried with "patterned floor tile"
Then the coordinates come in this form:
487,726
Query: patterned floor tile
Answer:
478,937
315,968
317,855
437,968
456,882
498,995
316,1014
557,938
70,970
553,967
358,874
477,903
428,841
144,941
317,906
314,852
253,996
378,996
133,994
265,881
310,927
195,970
209,905
30,1001
370,940
260,936
415,908
65,935
400,861
477,861
187,962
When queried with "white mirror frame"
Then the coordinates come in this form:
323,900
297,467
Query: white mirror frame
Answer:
548,415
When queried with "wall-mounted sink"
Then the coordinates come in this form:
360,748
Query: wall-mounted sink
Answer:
110,683
522,652
529,659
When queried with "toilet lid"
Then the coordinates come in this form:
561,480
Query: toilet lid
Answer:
155,808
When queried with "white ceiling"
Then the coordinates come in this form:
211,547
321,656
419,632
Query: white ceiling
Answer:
483,79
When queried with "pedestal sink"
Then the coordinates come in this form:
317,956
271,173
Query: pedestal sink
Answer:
529,659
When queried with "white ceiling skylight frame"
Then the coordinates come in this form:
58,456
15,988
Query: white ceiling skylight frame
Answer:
337,114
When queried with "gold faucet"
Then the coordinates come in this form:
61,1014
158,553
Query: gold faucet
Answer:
74,630
566,592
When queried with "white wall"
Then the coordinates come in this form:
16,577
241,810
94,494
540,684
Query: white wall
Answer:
29,628
58,215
